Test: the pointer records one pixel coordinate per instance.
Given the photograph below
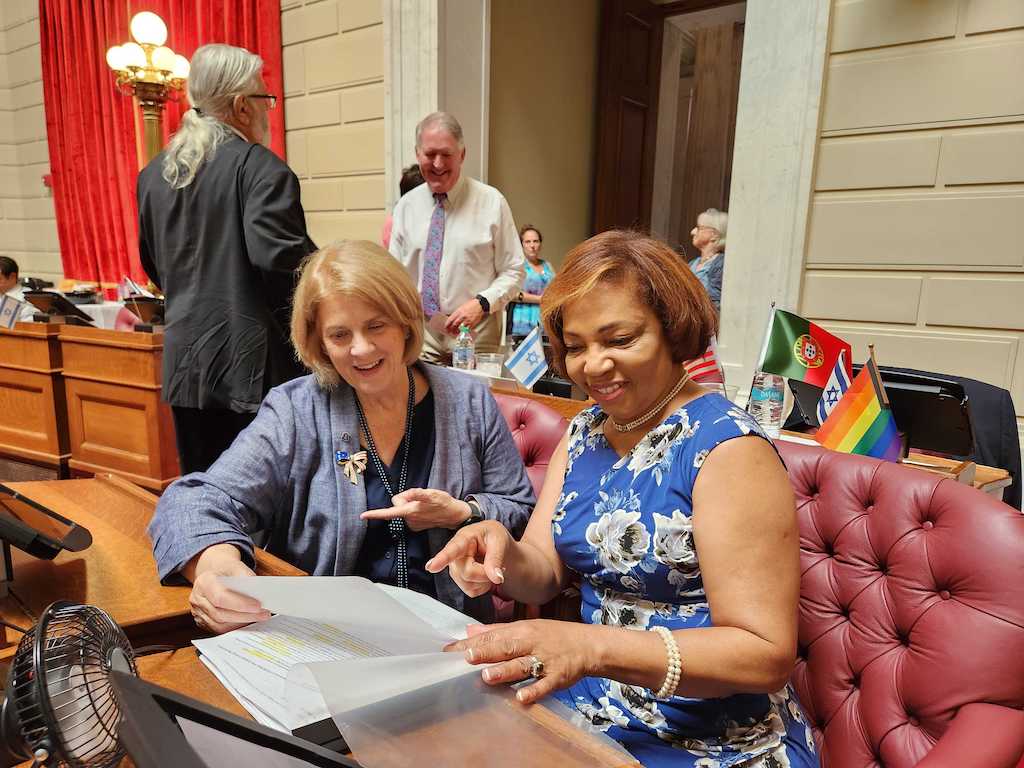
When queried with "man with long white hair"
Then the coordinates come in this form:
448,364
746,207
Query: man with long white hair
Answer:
222,231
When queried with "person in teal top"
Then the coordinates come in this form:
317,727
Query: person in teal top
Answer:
526,313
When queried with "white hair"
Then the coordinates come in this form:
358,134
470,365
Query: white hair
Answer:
218,73
718,221
443,120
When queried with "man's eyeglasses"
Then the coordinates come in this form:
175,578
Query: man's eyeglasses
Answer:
268,96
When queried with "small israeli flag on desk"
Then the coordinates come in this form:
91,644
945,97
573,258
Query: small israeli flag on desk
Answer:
836,386
527,363
10,311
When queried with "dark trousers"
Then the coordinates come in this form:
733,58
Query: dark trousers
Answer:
203,434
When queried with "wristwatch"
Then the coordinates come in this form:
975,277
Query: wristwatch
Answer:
485,305
476,515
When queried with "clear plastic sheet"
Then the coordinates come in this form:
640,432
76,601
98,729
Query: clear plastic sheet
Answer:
434,709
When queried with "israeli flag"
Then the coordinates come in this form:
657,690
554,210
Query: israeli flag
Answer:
10,311
838,383
527,363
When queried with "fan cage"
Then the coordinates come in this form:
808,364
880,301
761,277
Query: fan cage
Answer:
61,686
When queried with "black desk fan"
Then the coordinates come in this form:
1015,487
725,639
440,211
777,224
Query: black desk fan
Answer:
59,708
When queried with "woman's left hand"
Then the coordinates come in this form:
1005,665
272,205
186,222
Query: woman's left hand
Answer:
423,508
563,647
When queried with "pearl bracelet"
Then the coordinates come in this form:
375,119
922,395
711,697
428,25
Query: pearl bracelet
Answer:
675,664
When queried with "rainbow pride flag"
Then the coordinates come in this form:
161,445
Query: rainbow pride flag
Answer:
862,421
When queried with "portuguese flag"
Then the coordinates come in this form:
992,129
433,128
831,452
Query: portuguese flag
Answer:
862,422
798,349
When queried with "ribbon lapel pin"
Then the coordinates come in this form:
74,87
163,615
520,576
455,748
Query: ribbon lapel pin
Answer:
352,464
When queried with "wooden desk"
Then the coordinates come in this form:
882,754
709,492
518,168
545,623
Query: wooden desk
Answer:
117,573
116,420
34,428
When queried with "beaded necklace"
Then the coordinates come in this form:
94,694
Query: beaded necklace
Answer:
655,410
396,525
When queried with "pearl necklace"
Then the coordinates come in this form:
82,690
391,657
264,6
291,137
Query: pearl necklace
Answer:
639,421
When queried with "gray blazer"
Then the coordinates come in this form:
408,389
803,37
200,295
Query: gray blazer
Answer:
280,476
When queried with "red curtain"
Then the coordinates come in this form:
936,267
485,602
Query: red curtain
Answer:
91,127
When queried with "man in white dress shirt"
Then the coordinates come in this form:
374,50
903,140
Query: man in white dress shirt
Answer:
456,237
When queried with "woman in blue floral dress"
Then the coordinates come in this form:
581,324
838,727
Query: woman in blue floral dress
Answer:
526,312
675,513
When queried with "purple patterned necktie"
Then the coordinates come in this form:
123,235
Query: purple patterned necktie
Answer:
429,288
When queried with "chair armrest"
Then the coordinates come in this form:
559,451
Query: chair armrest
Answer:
271,565
981,735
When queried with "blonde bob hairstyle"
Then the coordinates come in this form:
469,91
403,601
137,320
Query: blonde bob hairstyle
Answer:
362,270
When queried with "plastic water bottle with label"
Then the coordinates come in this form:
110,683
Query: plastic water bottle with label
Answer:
766,397
464,352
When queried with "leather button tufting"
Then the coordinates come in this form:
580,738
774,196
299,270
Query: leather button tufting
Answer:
927,525
914,722
944,594
522,426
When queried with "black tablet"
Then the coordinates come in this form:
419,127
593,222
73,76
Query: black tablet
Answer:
163,729
41,532
50,303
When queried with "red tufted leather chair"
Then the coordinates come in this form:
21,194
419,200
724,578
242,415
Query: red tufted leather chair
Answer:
536,430
911,638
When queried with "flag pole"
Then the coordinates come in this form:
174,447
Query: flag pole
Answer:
876,377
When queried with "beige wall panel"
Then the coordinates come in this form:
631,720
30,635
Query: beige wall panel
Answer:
28,95
360,13
310,22
364,193
8,153
24,66
348,149
294,69
871,23
30,179
980,356
41,235
29,124
4,76
992,15
924,85
6,102
325,195
364,102
325,228
21,36
1017,389
28,208
317,110
877,162
918,231
987,156
34,152
971,302
295,147
348,58
871,298
286,4
7,125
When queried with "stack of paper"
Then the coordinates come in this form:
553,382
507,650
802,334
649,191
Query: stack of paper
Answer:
321,619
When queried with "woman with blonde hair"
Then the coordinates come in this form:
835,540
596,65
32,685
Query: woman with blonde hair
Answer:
673,510
366,467
708,238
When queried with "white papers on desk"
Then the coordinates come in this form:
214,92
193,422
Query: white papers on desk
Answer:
326,619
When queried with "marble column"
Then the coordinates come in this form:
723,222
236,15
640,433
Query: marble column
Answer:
780,95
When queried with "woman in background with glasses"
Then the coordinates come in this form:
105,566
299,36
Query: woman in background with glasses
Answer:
708,237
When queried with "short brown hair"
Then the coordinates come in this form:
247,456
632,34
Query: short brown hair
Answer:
663,282
356,268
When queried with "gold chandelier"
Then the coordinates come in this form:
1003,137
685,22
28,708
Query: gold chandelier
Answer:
150,71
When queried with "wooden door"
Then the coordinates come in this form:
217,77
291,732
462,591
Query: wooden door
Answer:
707,174
629,72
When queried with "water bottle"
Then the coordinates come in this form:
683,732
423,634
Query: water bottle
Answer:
766,396
464,352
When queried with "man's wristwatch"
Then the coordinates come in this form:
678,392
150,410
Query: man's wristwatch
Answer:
485,305
476,515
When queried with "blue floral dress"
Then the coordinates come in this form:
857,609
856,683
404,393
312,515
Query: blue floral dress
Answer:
526,316
625,525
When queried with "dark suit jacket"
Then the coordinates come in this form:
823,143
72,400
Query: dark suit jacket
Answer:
224,250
